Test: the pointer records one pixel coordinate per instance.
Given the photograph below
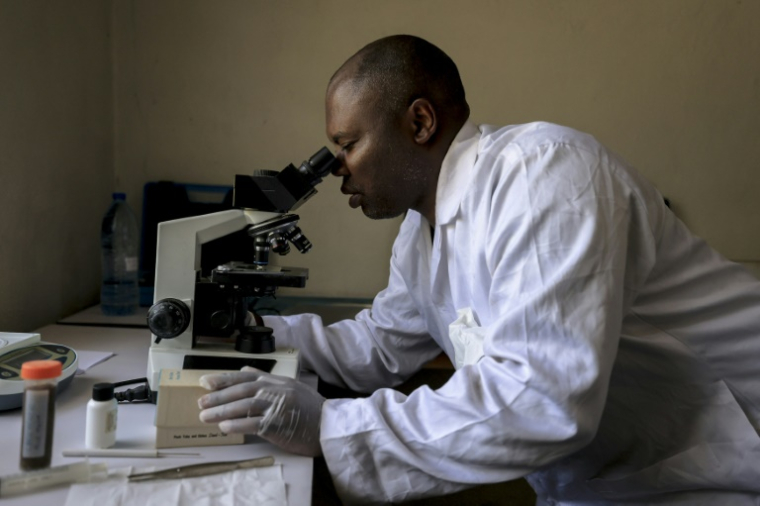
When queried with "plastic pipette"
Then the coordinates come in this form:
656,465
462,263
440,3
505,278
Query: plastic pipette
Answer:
79,472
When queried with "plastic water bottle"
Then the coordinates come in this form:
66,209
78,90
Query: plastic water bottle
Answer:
119,242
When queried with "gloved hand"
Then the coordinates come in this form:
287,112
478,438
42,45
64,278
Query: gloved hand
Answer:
282,410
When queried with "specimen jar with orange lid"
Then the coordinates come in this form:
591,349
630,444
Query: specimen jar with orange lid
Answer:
38,416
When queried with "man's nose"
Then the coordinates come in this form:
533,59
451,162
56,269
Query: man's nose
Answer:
341,170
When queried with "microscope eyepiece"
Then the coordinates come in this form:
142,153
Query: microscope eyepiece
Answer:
318,166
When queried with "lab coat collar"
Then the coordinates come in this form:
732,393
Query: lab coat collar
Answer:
456,172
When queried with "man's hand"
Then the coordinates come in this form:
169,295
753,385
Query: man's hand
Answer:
282,410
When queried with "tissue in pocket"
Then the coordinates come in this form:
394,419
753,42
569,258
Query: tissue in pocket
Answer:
467,337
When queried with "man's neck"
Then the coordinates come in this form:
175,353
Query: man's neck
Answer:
445,137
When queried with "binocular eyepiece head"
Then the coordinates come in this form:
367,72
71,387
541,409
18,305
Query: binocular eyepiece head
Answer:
284,191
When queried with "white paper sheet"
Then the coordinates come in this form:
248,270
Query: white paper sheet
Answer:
249,487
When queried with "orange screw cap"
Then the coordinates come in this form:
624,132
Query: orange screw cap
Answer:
41,369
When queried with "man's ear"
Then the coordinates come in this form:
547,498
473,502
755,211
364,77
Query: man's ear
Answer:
423,120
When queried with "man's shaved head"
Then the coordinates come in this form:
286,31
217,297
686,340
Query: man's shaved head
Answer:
393,110
402,68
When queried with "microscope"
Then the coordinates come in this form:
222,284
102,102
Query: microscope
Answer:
207,321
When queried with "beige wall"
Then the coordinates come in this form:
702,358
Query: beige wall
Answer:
55,156
205,90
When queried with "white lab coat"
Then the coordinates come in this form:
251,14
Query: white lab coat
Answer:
603,352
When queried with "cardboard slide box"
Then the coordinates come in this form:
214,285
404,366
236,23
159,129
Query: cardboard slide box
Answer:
178,437
177,413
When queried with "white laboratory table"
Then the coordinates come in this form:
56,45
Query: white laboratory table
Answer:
135,421
93,316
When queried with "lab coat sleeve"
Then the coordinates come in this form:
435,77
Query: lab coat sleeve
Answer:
381,347
567,243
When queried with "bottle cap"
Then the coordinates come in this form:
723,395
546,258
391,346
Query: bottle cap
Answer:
41,369
102,391
119,196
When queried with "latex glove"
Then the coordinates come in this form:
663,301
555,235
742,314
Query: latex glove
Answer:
281,410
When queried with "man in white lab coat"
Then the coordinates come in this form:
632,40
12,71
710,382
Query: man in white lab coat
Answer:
601,350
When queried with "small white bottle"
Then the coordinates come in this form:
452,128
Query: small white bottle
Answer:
100,428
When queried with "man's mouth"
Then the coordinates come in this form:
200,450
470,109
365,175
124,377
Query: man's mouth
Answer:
355,197
355,200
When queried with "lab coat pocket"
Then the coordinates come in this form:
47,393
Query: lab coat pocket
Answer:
467,338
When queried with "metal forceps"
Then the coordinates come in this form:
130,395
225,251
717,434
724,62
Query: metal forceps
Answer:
203,469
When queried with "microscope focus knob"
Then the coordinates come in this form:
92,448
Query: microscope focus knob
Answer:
168,318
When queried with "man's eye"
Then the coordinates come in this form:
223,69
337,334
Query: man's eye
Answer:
347,146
